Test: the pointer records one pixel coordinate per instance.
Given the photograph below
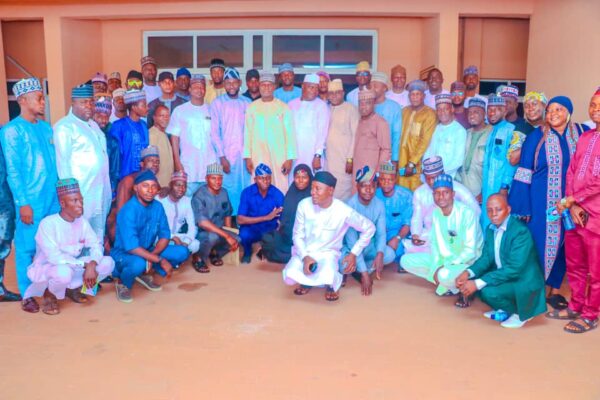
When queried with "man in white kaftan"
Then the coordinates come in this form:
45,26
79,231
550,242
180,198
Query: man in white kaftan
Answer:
81,154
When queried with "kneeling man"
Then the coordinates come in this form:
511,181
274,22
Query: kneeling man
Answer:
455,240
68,253
320,226
507,276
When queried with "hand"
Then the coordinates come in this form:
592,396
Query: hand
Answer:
417,241
26,214
569,202
409,171
225,164
233,244
178,241
166,265
89,274
366,284
525,219
349,167
249,166
514,157
393,243
461,279
378,265
479,198
286,167
178,166
308,261
577,214
350,262
316,163
275,213
468,288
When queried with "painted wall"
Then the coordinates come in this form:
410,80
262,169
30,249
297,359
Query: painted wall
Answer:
24,41
563,56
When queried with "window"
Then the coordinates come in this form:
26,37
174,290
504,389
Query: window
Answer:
346,51
172,51
228,48
301,51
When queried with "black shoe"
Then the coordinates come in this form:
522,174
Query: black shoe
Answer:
10,296
247,258
108,279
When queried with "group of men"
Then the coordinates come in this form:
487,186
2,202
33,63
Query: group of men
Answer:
134,180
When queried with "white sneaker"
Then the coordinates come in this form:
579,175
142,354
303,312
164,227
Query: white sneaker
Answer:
514,322
490,314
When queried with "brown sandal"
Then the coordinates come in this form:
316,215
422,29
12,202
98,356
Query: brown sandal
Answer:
330,295
50,306
301,290
30,305
76,296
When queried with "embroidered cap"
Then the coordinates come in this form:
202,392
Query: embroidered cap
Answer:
150,151
67,186
443,181
433,165
262,169
25,86
214,169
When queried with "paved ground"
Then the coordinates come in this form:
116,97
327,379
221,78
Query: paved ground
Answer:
240,333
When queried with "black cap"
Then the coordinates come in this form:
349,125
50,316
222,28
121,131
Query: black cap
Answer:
165,75
133,74
325,177
252,73
217,63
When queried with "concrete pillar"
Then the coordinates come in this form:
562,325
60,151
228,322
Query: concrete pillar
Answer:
53,30
448,39
3,93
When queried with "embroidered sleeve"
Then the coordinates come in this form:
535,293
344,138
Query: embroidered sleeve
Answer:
523,175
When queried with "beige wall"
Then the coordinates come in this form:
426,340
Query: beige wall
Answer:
24,41
563,56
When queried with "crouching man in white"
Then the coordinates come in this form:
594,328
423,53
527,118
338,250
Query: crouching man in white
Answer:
68,253
456,240
320,226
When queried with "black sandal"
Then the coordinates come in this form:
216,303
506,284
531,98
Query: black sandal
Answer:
331,295
557,301
216,261
201,267
464,302
302,290
581,328
556,314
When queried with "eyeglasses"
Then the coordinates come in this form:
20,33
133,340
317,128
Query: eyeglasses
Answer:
134,83
363,73
458,93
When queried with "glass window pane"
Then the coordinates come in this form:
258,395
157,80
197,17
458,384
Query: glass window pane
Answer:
229,48
257,48
301,51
172,51
346,51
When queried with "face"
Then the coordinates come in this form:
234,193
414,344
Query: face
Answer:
323,84
366,107
287,78
458,97
336,97
471,81
430,178
320,193
134,83
387,182
216,74
119,104
534,109
232,86
266,90
511,105
162,117
214,182
198,90
496,114
594,110
99,87
363,78
83,108
435,80
178,189
263,182
101,119
309,91
152,163
476,116
379,89
72,204
167,86
146,190
140,108
366,191
149,72
416,98
556,115
183,83
497,209
445,113
301,180
443,197
399,80
113,84
252,85
33,102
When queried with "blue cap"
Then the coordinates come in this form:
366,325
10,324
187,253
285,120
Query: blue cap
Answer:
145,175
183,72
495,100
82,92
286,67
443,180
262,169
231,73
563,101
25,86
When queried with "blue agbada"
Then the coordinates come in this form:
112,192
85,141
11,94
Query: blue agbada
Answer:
31,175
114,159
539,183
287,96
497,171
7,220
398,212
392,113
133,138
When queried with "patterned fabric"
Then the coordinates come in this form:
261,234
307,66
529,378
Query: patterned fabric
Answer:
523,175
25,86
133,96
82,92
587,157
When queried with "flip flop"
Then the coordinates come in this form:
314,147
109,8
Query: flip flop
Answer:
330,295
301,290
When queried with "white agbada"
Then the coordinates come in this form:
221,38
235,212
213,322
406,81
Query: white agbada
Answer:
81,154
318,233
192,125
423,206
62,249
430,98
400,98
178,214
311,124
449,142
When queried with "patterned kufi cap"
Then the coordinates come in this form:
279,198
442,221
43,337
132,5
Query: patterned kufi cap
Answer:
433,165
25,86
67,186
150,151
133,96
214,169
443,180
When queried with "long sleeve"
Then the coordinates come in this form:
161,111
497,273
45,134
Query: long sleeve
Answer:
453,163
322,128
163,224
380,230
47,244
508,170
472,238
362,225
592,186
15,171
383,140
396,129
216,129
290,135
427,128
486,260
63,143
189,218
513,261
248,134
353,118
416,222
519,197
299,233
92,241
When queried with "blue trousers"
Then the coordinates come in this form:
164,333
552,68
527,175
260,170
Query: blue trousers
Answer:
250,235
129,266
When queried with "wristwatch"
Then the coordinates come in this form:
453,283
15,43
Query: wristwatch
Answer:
317,156
398,237
411,165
